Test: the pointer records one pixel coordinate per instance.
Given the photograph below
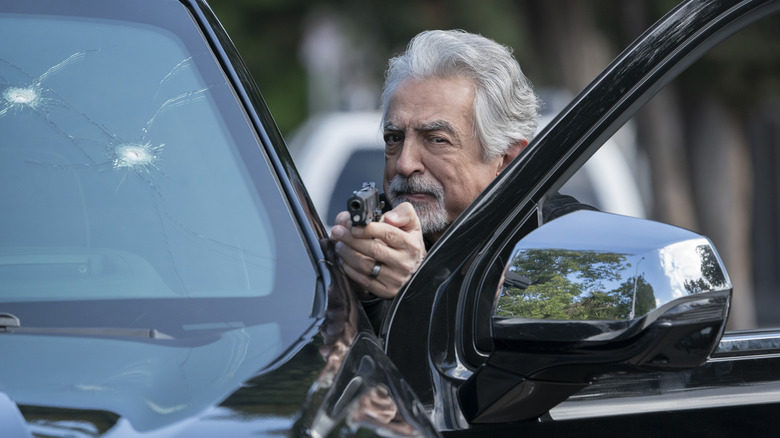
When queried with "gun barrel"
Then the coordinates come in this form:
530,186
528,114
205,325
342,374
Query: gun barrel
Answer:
364,206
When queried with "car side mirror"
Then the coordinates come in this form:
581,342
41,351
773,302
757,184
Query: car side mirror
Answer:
593,293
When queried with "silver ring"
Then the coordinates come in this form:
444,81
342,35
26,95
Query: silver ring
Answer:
375,270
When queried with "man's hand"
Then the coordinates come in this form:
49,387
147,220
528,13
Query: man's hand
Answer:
395,244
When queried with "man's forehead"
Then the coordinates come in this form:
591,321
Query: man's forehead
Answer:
420,102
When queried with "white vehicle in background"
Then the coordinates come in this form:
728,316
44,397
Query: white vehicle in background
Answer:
336,152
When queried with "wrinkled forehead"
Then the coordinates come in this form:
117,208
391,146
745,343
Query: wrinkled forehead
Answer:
431,104
436,83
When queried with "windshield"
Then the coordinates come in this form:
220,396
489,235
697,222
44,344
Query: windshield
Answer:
134,192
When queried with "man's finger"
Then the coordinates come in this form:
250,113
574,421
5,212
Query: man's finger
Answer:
377,286
342,219
404,217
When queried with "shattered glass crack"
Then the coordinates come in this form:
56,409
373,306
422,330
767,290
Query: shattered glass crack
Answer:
138,156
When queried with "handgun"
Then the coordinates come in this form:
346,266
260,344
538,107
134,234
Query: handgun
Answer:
364,205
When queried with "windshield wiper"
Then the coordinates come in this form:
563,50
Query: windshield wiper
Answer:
11,324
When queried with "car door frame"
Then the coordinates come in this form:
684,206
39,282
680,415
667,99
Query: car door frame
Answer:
447,304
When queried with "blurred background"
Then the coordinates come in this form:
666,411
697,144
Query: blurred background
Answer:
703,154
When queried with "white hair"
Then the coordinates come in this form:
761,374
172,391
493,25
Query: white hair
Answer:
505,106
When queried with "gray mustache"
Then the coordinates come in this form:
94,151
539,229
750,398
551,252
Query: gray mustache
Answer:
415,184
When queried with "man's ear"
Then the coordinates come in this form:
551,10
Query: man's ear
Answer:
513,151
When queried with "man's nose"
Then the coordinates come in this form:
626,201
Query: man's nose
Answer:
410,160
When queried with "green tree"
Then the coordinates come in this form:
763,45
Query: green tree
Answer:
572,285
635,296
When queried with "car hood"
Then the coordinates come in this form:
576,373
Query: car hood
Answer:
335,380
149,385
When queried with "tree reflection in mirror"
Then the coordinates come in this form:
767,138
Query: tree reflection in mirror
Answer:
571,274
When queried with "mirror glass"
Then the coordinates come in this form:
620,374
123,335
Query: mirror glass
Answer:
597,266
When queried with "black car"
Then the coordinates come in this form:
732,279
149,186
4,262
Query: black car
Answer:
163,272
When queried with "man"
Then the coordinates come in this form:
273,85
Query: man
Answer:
456,110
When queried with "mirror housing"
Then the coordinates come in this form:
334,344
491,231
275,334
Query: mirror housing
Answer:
593,293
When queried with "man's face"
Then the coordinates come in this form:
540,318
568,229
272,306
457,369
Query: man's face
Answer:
432,152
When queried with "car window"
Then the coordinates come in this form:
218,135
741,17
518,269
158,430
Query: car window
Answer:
128,171
703,155
613,179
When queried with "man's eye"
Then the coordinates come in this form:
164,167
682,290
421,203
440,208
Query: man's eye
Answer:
393,143
392,139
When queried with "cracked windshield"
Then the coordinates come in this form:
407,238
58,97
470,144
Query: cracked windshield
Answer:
122,173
